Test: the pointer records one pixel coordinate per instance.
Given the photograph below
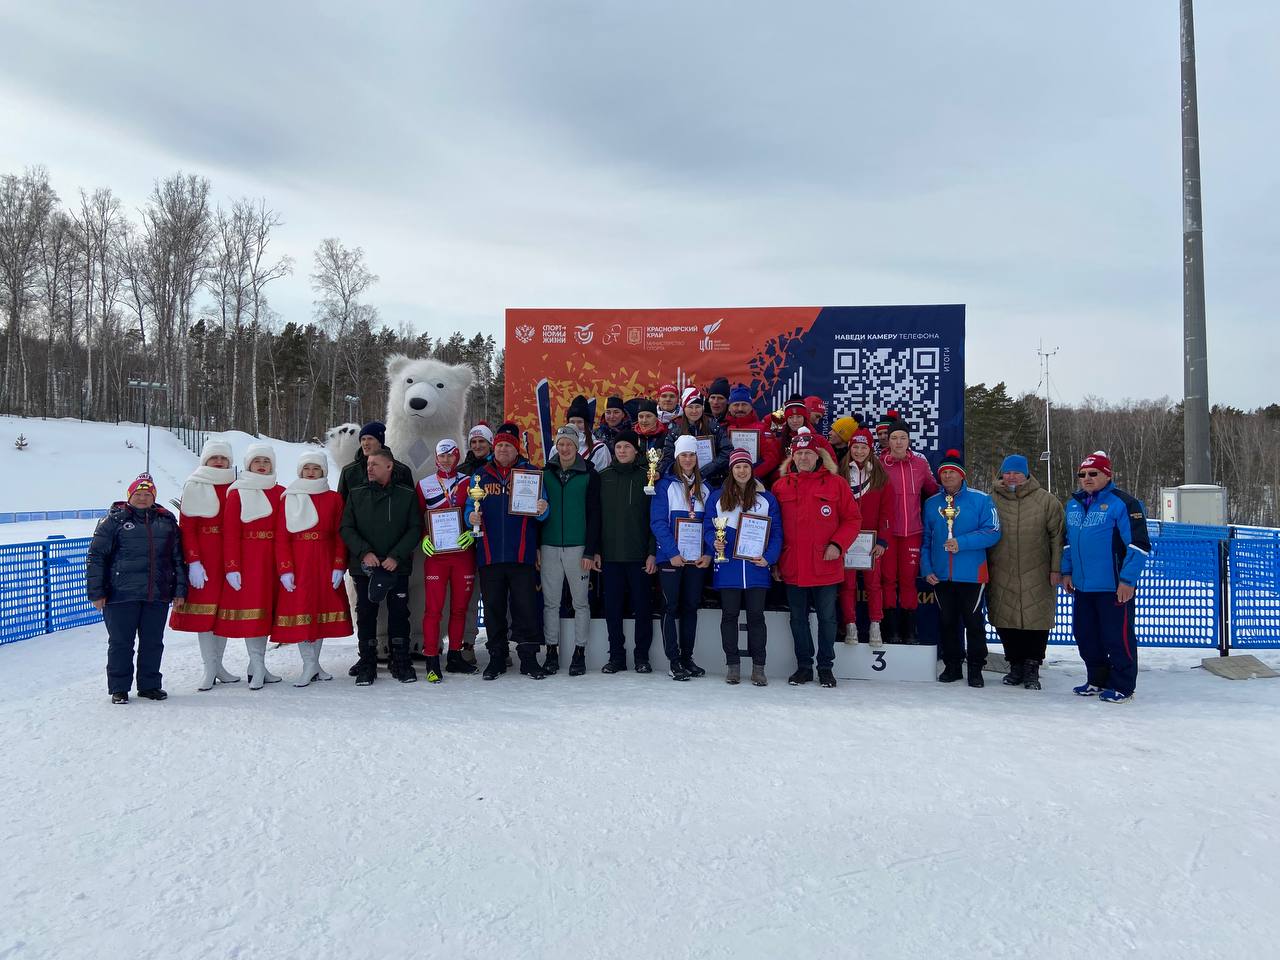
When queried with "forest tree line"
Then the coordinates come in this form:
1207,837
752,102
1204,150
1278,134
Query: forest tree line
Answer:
95,298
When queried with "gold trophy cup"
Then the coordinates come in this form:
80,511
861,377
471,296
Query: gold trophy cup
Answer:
720,524
654,457
950,512
476,493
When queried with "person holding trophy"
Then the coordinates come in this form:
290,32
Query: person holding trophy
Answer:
959,525
743,528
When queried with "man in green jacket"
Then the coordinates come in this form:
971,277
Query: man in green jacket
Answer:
381,526
626,549
569,546
356,473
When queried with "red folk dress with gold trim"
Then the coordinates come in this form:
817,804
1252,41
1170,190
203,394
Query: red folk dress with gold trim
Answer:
202,542
314,610
248,549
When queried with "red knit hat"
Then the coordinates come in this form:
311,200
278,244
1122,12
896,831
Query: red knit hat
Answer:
804,440
815,405
508,433
1098,460
691,395
740,456
142,482
952,461
668,388
796,407
861,436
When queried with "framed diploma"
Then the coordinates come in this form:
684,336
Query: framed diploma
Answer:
525,490
858,556
689,539
706,452
753,537
748,440
445,526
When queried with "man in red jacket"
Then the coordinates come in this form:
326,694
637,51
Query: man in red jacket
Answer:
910,482
740,418
820,519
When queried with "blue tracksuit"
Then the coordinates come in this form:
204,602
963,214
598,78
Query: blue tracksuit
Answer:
1106,544
739,574
976,528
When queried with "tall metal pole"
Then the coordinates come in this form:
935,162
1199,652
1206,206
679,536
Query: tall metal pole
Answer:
1197,467
1048,440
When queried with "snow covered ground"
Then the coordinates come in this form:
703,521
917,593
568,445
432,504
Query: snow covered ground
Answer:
630,816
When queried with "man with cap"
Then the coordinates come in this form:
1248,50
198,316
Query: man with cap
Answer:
797,416
820,520
506,559
889,418
718,398
382,528
612,422
741,416
668,403
954,562
910,480
373,437
597,451
479,449
1107,547
713,462
133,571
627,552
569,546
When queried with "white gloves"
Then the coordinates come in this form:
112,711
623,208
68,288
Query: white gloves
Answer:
196,575
233,579
286,581
337,578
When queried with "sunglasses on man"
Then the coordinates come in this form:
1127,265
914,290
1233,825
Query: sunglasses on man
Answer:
1089,473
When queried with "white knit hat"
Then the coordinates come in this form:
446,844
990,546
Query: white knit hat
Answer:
255,450
215,447
691,395
447,445
686,444
481,429
317,457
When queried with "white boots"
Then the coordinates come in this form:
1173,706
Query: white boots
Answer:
851,633
876,640
258,673
211,650
311,670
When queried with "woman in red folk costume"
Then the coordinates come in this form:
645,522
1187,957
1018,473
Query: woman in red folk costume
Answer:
247,605
454,571
311,559
204,497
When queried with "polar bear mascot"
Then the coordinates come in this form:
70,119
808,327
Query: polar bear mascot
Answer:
426,402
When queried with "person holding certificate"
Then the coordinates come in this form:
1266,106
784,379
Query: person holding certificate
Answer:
710,446
675,516
752,544
820,520
867,480
743,430
450,562
311,561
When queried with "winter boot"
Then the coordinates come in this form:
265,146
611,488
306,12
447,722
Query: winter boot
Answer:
468,654
120,697
320,672
455,662
401,664
1031,676
951,673
733,674
1017,671
826,677
209,656
309,665
874,636
158,694
432,669
677,671
257,648
908,628
552,664
889,625
528,654
617,664
644,666
693,669
497,666
850,633
366,668
758,679
578,665
802,675
975,675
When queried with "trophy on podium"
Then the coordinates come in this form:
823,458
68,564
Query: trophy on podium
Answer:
720,523
950,512
653,457
476,493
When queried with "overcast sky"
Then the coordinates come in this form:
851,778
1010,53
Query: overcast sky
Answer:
1021,158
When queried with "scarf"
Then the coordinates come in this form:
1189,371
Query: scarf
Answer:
299,511
254,504
199,498
859,479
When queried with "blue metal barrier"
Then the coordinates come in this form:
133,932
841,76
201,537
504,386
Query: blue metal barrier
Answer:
42,588
1253,565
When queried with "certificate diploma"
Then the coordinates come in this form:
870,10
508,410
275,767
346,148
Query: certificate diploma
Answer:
748,440
706,453
753,537
689,539
445,528
525,490
858,556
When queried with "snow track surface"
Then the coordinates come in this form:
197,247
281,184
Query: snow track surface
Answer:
629,816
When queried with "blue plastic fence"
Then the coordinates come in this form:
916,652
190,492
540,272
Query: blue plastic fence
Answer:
42,588
23,517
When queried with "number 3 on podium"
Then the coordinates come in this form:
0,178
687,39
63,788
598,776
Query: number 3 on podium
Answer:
878,664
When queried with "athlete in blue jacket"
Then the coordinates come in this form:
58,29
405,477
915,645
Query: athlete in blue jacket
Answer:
1106,548
956,566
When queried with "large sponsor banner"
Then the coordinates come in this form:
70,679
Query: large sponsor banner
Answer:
861,360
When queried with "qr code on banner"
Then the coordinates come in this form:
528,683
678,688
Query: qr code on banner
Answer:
908,380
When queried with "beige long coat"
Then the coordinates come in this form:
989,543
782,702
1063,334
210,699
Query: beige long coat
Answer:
1030,548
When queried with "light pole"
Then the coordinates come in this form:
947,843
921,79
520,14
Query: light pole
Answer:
1197,467
352,404
147,387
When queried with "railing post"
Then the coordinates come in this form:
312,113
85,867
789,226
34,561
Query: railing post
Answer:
48,587
1224,596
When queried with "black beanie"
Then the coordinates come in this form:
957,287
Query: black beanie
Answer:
627,436
719,386
615,403
376,429
579,408
646,406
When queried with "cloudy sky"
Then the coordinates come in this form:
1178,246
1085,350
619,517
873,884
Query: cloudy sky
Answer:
1021,158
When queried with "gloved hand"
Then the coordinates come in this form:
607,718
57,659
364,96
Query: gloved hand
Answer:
428,547
337,578
466,539
233,579
286,581
196,575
